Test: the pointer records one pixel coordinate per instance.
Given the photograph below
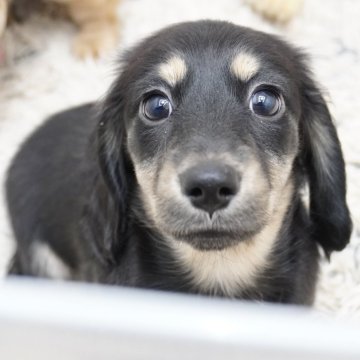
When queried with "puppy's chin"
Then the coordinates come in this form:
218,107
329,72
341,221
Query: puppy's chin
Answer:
211,240
196,229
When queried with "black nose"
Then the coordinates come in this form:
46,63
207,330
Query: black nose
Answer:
210,186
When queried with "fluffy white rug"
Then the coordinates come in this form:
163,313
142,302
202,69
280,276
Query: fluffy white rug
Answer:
47,78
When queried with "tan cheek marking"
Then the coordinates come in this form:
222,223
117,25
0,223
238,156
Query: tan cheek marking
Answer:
169,185
173,70
253,185
253,181
145,175
166,187
245,66
280,173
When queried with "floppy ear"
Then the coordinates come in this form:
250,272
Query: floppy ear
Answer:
325,168
116,171
111,150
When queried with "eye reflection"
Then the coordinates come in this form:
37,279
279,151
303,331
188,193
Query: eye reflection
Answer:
265,103
157,107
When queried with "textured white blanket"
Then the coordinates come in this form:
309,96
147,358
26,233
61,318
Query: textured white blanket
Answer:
46,78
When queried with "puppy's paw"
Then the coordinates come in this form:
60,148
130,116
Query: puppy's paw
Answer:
281,11
95,41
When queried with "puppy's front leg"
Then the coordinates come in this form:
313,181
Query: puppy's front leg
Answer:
280,11
3,20
3,15
98,26
95,38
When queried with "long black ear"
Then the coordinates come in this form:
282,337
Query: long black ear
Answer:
116,171
111,147
325,167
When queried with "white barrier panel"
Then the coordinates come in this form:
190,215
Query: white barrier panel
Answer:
43,320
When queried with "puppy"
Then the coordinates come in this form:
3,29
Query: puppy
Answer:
97,21
188,177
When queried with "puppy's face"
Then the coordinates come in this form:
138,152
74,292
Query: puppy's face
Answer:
212,132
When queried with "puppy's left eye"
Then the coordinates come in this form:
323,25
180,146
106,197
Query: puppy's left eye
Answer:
157,107
265,102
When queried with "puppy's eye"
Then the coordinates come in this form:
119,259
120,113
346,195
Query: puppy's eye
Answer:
265,102
157,107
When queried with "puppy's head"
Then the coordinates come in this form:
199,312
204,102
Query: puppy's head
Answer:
215,121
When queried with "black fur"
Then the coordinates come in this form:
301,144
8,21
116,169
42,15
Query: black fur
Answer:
73,184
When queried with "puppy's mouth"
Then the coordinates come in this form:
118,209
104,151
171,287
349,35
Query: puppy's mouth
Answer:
222,232
207,240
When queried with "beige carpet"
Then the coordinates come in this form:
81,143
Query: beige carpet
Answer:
45,78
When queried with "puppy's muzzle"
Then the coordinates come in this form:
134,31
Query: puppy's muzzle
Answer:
210,186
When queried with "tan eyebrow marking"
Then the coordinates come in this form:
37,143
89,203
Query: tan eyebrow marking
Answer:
173,70
244,66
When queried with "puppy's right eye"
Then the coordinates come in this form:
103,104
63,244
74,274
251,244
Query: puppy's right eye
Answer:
157,107
265,103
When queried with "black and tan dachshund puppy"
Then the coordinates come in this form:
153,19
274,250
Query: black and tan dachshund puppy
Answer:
189,176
